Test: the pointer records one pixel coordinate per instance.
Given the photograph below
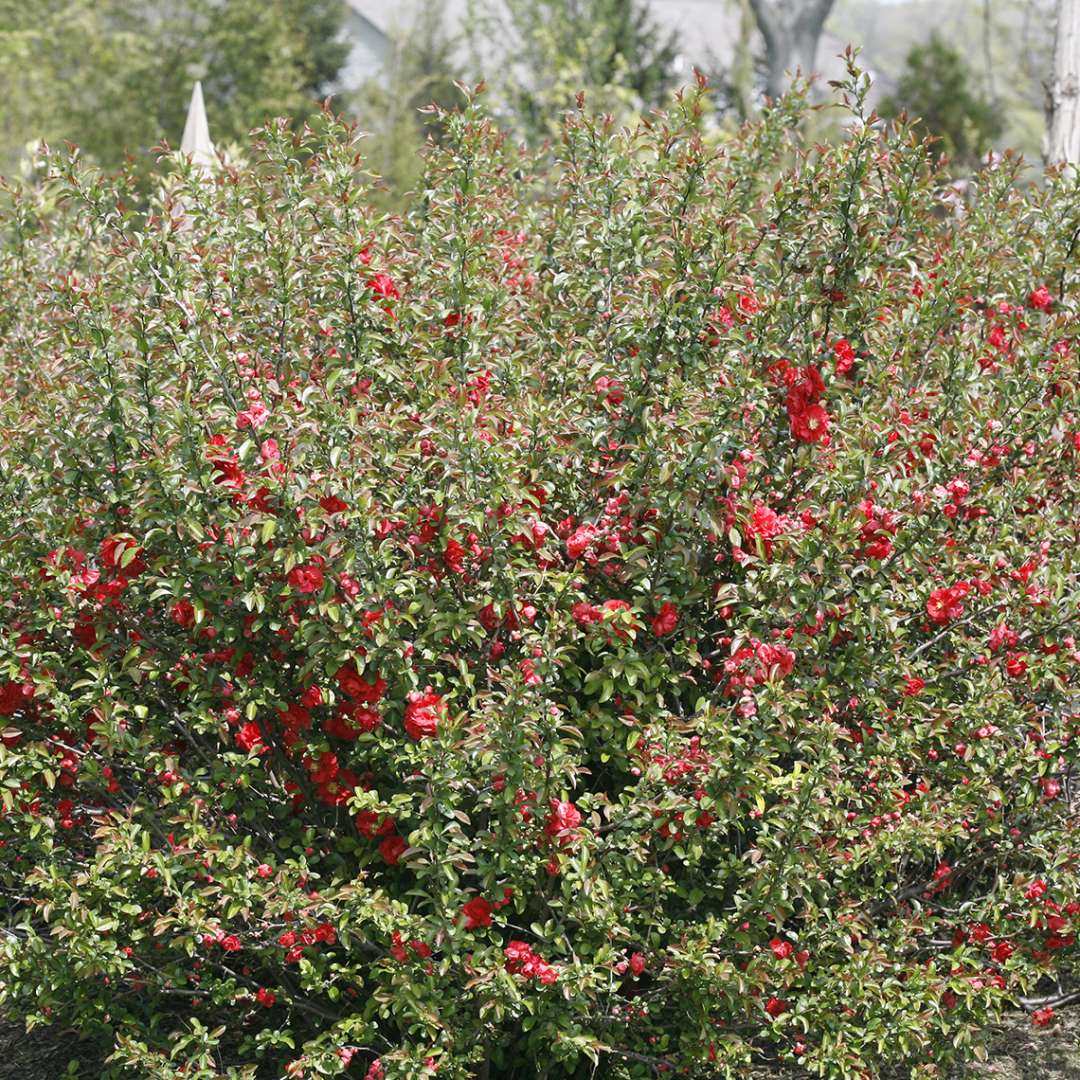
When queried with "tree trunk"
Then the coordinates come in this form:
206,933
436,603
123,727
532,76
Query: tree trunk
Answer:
742,65
1063,94
791,29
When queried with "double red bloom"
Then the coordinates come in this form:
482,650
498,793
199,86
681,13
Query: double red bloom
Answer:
307,578
947,604
521,960
809,420
477,913
423,713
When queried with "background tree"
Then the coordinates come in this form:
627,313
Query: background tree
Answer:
612,48
114,76
1063,93
1010,58
632,47
740,78
420,71
791,30
936,86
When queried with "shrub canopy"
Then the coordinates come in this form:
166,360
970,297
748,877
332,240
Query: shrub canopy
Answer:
621,616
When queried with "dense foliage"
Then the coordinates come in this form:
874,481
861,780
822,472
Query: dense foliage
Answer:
618,620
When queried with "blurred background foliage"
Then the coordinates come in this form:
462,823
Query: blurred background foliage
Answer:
937,86
115,76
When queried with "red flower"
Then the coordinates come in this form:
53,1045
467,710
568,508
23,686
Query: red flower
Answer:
805,388
332,504
585,614
528,671
255,415
349,723
809,421
781,949
1036,890
845,356
1002,951
1043,1017
14,696
946,604
811,425
1040,298
637,964
666,621
774,1006
383,286
454,557
611,389
1015,665
581,540
122,554
392,848
423,713
766,522
359,689
516,953
265,997
307,578
547,974
618,624
183,613
521,960
370,824
562,821
477,913
249,737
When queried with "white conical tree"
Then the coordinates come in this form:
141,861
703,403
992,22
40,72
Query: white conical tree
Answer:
196,141
197,146
1063,93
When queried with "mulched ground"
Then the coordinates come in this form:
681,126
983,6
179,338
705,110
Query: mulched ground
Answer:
46,1054
1017,1052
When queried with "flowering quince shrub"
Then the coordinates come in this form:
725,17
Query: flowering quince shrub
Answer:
619,620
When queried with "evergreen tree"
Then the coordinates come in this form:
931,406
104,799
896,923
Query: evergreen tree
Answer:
936,86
